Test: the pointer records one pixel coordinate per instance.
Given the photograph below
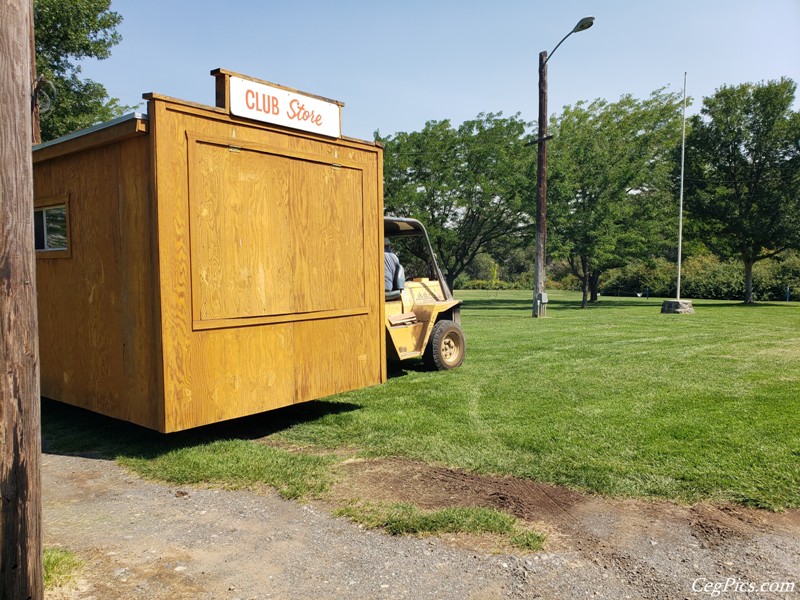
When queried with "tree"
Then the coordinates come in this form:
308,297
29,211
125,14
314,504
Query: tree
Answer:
743,173
67,31
470,186
20,436
609,189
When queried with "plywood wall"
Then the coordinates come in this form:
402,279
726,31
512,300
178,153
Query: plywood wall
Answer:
272,234
269,264
98,302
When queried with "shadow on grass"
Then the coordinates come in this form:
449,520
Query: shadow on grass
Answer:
614,302
606,303
496,304
67,429
557,304
404,368
715,304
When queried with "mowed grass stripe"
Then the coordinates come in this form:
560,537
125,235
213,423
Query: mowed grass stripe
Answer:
617,399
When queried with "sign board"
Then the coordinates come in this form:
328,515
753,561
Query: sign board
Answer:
271,104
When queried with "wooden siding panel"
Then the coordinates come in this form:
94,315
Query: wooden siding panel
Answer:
95,351
79,304
254,224
240,371
333,356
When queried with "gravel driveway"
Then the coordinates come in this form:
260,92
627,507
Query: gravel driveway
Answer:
141,539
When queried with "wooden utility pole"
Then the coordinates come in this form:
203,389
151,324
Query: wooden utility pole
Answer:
539,294
20,435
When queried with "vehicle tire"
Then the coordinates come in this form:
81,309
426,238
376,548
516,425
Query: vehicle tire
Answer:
446,346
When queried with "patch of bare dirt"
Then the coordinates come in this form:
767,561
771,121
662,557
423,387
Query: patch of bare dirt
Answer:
648,542
430,487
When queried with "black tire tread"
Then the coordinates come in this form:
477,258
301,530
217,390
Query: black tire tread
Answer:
431,356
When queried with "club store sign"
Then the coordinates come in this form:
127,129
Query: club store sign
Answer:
279,106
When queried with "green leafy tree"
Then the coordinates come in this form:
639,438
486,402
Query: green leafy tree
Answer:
743,175
609,186
469,185
68,31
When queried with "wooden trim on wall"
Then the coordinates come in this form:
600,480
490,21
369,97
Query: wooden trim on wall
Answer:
194,138
202,325
109,135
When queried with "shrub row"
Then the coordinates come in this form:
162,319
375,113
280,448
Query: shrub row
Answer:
707,277
701,277
465,283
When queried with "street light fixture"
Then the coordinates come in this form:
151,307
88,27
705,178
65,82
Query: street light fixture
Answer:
539,295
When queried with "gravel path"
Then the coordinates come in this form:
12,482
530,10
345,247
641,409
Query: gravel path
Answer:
149,540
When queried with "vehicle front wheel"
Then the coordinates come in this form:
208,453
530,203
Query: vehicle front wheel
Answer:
446,346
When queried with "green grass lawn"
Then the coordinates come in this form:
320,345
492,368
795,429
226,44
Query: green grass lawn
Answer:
616,399
402,519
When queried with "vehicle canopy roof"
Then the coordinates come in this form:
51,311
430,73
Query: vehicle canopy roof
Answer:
402,226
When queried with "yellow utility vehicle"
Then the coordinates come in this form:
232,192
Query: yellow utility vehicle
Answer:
422,319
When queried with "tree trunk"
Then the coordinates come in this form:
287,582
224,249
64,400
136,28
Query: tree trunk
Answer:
20,436
585,281
748,281
451,282
594,285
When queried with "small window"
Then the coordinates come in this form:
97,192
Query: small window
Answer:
51,227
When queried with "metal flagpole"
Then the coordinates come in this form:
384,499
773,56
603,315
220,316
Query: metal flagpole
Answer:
680,210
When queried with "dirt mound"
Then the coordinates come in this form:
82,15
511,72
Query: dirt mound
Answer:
431,487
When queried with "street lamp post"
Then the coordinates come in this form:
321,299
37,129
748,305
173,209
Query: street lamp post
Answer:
539,295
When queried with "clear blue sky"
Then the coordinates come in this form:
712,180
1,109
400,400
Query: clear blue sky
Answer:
397,64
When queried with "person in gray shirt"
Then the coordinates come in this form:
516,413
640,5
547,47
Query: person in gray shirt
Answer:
394,278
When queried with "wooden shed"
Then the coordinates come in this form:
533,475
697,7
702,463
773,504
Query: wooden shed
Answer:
197,264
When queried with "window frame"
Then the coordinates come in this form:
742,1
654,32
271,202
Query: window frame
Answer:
49,203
